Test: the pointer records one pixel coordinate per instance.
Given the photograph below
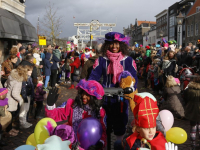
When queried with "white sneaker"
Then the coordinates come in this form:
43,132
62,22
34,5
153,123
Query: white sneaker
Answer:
25,125
29,124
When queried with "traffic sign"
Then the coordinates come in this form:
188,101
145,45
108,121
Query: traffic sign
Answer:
42,40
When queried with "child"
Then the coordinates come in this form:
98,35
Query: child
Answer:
27,93
145,134
3,106
192,110
39,97
86,104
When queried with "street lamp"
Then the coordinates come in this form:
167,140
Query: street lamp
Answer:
179,20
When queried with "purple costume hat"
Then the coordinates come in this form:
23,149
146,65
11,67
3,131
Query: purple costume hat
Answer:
92,87
124,74
116,36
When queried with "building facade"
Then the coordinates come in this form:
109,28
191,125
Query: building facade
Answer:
193,25
162,25
14,27
149,37
139,29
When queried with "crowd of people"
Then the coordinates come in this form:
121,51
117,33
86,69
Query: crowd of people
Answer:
31,75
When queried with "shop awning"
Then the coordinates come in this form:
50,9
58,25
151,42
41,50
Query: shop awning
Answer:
13,26
9,26
27,30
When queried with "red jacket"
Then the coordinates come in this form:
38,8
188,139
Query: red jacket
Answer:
158,143
76,64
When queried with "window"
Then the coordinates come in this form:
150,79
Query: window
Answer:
196,29
171,32
171,21
191,30
198,9
172,11
188,31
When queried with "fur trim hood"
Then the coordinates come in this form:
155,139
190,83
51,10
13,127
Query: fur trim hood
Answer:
194,85
14,74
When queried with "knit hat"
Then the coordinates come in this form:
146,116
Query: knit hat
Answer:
3,91
92,87
146,110
116,36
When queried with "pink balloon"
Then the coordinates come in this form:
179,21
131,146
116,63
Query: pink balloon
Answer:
167,119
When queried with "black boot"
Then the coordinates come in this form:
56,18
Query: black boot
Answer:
2,143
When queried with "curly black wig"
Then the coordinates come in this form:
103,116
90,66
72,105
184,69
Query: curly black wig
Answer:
94,103
123,48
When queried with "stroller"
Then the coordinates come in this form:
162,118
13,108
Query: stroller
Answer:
184,75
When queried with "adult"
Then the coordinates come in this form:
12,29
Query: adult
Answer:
22,51
113,61
88,67
85,56
54,69
173,98
14,51
7,66
186,57
132,52
29,62
14,86
47,68
74,65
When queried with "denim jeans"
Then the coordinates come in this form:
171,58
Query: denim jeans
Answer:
46,81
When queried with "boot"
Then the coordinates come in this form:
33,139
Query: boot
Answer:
71,87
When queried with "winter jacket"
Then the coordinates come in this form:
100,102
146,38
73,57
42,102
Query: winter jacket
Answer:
38,59
192,99
173,101
88,67
27,89
39,94
68,113
48,64
76,64
186,58
14,86
34,73
54,60
7,67
42,55
57,53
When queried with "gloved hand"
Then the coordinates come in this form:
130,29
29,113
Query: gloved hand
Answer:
52,97
98,146
170,146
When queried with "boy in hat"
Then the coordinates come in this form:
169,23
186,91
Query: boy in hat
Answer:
145,134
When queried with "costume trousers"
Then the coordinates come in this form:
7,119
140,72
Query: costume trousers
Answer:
53,77
195,128
118,114
24,110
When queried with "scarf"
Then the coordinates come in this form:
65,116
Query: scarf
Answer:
114,67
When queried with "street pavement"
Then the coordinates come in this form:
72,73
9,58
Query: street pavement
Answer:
65,94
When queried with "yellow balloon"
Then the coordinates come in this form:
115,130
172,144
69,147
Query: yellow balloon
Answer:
41,134
176,135
31,140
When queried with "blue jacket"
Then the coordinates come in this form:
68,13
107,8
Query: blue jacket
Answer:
54,60
42,55
47,64
101,69
27,89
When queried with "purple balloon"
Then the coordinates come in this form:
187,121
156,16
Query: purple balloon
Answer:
89,132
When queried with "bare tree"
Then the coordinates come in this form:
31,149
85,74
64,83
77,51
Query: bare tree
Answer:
51,22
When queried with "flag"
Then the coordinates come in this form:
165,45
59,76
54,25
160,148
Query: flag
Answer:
146,38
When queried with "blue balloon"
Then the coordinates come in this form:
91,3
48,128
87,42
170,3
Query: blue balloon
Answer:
25,147
89,132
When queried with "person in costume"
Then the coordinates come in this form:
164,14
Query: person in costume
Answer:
113,61
85,56
86,104
145,134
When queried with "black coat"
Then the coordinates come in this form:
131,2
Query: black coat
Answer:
27,89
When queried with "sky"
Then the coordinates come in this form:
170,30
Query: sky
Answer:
121,12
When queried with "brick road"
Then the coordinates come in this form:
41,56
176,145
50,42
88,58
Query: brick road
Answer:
14,142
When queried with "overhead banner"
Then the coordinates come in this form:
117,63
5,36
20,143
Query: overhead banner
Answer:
42,40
